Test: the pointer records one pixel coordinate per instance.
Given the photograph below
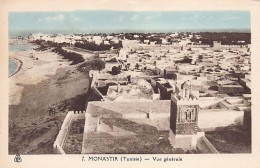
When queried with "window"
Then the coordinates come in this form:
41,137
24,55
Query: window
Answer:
188,115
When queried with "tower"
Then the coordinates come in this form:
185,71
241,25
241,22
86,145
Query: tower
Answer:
185,132
184,111
184,119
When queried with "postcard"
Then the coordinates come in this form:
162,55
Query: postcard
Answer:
129,83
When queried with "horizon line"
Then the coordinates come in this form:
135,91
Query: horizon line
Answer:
110,31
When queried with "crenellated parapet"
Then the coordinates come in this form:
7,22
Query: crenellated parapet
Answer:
184,111
191,100
185,96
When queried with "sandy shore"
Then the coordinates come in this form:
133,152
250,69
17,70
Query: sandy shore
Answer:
48,81
32,71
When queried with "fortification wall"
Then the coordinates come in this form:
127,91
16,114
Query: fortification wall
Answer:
77,115
96,93
233,46
65,127
198,46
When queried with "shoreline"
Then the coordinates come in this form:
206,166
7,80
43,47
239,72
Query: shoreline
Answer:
30,71
42,84
36,86
19,65
18,62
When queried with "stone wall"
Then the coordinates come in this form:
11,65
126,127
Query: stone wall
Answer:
198,46
63,133
154,85
97,95
165,93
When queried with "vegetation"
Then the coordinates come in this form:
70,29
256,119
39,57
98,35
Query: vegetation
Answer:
41,45
96,64
224,37
92,46
117,45
74,57
45,45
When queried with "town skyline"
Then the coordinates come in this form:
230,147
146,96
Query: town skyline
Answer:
133,87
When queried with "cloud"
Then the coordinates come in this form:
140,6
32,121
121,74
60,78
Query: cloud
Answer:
55,18
134,17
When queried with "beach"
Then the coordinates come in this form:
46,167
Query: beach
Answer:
42,81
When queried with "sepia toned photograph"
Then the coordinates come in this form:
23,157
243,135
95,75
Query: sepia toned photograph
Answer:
129,82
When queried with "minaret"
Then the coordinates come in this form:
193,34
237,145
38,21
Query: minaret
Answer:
184,111
184,131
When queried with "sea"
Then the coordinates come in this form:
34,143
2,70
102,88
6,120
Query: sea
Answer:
11,66
13,47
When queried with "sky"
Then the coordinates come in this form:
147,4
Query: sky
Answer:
113,21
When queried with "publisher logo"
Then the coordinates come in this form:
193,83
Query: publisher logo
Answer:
17,158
